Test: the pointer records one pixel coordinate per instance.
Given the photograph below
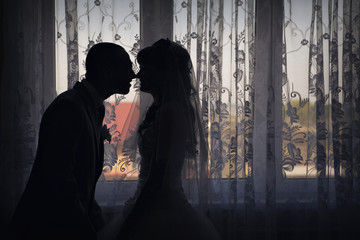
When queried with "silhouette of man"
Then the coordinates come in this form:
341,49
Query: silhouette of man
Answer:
58,201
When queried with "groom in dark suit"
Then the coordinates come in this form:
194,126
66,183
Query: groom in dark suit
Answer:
58,201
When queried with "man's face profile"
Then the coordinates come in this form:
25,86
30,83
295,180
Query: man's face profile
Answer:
122,75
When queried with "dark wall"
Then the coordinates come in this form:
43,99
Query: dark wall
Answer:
27,86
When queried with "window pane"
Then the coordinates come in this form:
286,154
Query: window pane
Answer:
220,38
310,30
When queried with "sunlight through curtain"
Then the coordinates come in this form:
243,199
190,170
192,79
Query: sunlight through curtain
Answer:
283,134
220,36
322,103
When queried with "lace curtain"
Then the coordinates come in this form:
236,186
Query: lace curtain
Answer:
240,104
220,35
326,115
279,85
284,133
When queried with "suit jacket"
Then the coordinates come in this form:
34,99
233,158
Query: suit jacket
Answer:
58,201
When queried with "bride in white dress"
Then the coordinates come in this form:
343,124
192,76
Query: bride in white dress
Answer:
169,136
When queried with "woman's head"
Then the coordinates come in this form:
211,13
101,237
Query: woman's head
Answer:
165,72
165,63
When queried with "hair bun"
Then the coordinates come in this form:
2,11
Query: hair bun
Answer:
162,45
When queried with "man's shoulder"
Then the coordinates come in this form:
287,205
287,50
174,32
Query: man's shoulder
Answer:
70,96
68,101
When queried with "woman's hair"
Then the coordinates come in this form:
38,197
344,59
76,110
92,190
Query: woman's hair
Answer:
167,56
173,62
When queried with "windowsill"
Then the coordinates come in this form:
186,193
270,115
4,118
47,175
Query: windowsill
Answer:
288,191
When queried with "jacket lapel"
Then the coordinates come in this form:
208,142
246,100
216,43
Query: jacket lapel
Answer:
91,111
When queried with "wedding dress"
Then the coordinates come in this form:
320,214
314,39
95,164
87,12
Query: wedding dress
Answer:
161,210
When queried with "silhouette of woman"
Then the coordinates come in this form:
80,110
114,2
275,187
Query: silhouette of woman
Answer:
169,136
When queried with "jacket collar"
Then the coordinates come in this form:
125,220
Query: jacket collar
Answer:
96,99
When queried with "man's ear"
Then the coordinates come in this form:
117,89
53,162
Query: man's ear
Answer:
107,70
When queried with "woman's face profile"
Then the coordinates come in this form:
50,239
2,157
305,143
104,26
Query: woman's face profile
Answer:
149,78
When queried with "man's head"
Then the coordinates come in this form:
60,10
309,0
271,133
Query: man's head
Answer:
109,69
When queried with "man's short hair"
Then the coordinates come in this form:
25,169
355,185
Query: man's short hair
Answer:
103,54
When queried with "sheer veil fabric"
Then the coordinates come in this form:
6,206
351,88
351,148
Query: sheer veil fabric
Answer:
169,137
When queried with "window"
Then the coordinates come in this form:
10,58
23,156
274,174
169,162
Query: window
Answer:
220,36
